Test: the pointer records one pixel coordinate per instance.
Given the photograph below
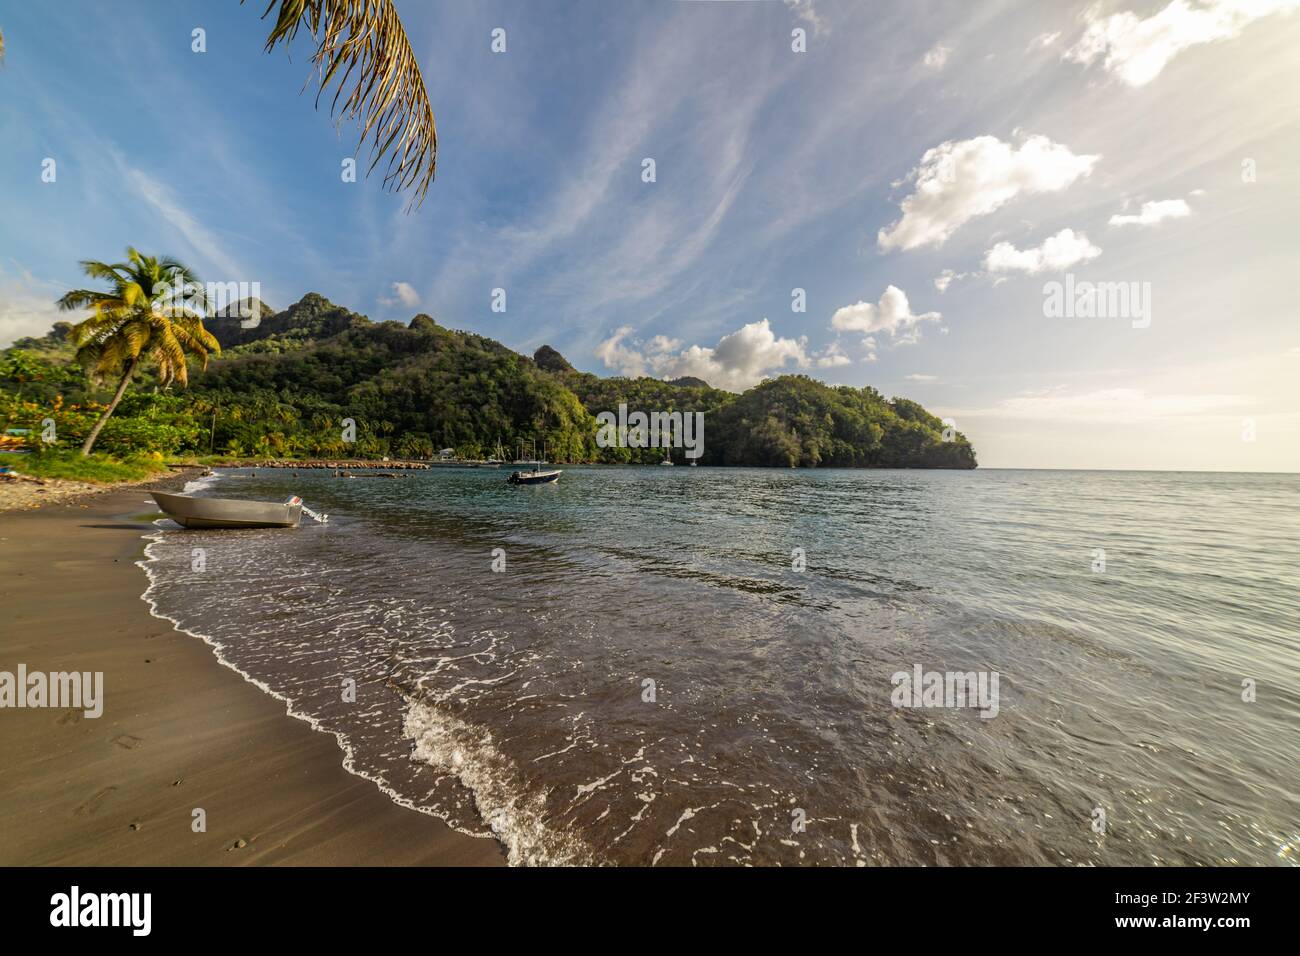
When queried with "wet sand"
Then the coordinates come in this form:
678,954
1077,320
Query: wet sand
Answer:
178,732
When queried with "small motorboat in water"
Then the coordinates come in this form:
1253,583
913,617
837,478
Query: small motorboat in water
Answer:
534,477
229,512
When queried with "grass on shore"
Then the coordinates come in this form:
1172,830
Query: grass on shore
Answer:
97,469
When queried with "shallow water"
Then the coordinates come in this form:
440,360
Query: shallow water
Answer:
517,702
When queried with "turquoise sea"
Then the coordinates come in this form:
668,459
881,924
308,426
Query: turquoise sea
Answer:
647,676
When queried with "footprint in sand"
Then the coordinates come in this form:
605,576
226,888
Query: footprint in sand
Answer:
91,805
127,741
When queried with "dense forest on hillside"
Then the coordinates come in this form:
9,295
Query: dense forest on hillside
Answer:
285,386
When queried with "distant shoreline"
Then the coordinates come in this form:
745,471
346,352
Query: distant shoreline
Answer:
434,465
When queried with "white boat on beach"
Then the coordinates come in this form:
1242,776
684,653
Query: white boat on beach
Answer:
191,512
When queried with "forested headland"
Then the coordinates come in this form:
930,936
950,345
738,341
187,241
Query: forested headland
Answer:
283,388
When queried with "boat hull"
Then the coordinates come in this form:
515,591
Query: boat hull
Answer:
227,512
534,477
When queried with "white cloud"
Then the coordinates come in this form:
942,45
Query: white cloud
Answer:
1136,49
1057,253
804,10
918,377
740,360
662,343
403,293
833,357
892,314
1154,212
947,277
27,307
937,56
1044,40
957,181
628,361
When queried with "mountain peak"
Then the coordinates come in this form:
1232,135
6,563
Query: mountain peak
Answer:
551,360
311,317
688,381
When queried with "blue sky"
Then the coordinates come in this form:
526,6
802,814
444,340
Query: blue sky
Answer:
999,144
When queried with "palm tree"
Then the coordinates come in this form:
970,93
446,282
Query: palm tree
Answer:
388,96
154,309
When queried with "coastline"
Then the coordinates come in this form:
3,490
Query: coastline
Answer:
179,731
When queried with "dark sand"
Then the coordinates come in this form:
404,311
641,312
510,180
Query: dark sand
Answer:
178,731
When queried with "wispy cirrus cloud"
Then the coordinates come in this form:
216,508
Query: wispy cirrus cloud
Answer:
599,238
1153,212
1111,406
199,236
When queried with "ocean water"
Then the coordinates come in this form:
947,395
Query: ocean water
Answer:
651,680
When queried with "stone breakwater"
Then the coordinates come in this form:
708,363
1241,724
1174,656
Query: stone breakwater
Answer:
330,463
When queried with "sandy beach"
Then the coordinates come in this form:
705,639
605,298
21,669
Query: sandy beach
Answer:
178,732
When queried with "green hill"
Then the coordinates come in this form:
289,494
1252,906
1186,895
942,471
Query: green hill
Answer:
283,388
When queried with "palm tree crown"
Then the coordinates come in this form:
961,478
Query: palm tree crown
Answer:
153,309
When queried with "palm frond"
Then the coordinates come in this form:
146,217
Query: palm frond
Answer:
81,299
133,295
170,355
388,97
96,328
203,340
170,266
108,271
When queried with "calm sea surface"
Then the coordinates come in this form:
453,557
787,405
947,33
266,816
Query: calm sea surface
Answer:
649,679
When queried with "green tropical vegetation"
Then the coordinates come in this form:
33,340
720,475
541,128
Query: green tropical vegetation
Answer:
97,469
287,387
